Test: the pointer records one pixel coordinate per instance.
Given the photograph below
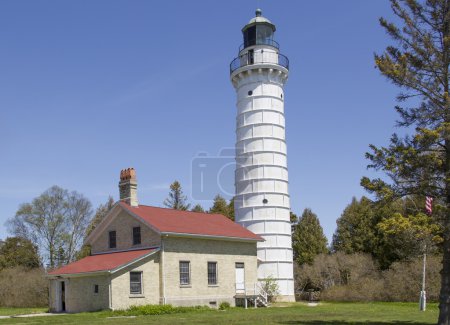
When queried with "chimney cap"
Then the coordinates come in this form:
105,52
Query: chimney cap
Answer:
127,174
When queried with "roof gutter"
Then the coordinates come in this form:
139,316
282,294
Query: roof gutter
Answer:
102,272
200,236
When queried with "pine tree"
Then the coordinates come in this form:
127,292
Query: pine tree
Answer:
308,239
176,200
198,208
355,232
221,206
419,164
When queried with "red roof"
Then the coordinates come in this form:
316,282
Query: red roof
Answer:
194,223
101,262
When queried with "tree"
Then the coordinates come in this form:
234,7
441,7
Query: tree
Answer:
231,209
355,232
407,237
308,239
198,208
176,200
17,251
100,213
419,163
55,222
220,206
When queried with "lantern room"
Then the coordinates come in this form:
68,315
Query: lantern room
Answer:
259,31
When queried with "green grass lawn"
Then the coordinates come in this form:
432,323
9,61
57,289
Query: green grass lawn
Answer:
4,311
298,313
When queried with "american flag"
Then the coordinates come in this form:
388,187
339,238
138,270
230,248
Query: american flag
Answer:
429,204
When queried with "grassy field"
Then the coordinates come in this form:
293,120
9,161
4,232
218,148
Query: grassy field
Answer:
20,311
324,314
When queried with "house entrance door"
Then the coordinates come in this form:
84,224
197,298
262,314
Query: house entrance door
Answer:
63,296
240,278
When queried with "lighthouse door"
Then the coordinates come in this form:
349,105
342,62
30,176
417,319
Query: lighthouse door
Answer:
240,278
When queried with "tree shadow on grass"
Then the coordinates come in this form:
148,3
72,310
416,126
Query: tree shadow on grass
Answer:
340,322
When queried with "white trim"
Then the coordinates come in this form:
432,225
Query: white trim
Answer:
125,250
228,238
133,261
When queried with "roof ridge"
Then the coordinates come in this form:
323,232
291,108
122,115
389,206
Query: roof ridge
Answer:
151,206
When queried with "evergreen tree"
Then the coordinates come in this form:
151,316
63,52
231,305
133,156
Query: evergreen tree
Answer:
419,163
220,206
308,239
176,200
16,251
355,232
231,209
198,208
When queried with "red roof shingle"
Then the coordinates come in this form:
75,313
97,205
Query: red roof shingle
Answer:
101,262
193,223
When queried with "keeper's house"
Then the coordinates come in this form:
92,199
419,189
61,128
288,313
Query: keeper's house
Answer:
147,255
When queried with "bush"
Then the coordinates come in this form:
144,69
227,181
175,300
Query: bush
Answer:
270,286
354,277
20,287
158,310
224,305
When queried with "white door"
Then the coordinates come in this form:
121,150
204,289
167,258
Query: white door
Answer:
240,278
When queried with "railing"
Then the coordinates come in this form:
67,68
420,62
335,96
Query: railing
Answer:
269,42
254,292
259,57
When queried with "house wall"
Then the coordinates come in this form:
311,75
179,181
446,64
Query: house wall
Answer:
123,225
199,252
79,294
120,284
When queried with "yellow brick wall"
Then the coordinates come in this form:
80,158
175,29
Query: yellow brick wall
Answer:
80,294
123,225
121,297
199,252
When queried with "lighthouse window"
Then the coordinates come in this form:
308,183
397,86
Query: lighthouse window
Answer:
264,34
250,36
265,201
250,92
281,95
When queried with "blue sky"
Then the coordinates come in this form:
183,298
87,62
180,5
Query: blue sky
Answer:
90,87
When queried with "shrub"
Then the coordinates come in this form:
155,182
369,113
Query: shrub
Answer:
20,287
158,310
224,305
354,277
270,286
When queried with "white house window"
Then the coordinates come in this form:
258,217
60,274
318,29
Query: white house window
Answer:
185,276
136,283
112,239
136,235
212,273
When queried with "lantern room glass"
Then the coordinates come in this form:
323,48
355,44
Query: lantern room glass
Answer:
260,34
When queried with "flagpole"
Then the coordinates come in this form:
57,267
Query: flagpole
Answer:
423,294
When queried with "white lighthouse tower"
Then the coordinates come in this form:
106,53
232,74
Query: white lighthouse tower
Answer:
262,199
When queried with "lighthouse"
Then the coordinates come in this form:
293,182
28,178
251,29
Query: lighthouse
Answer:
262,205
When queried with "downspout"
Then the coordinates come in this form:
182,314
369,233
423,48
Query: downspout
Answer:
110,292
163,279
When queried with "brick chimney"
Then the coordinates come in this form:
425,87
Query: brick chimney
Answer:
128,187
